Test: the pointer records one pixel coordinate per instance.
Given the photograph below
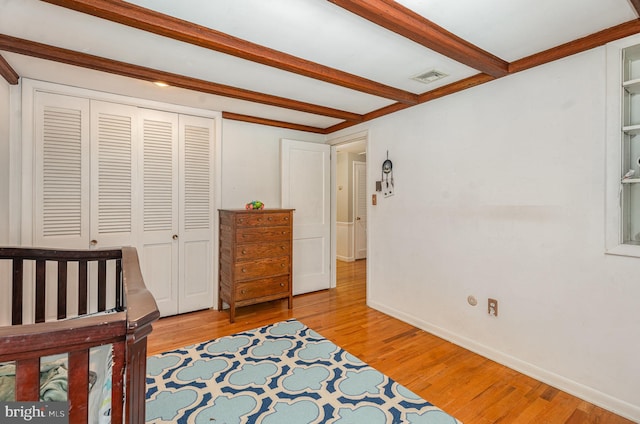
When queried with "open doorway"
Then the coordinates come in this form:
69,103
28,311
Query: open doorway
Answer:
350,223
351,208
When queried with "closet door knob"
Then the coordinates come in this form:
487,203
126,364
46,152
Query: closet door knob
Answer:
175,237
93,242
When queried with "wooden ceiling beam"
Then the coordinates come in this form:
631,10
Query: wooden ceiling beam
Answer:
70,57
188,32
7,72
272,122
405,22
455,87
589,42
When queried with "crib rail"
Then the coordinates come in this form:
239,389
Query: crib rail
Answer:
126,329
61,258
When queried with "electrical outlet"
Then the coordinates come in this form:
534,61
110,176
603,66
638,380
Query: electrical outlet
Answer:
492,307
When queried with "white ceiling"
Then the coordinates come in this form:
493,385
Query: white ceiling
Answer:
315,30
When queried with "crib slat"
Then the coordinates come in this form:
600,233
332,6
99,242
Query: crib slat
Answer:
82,287
16,306
102,285
119,292
62,289
117,387
28,380
41,272
78,386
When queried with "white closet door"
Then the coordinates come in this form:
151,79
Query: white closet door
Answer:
61,180
113,158
159,168
196,213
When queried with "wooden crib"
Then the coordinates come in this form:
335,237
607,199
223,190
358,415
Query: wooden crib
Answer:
100,300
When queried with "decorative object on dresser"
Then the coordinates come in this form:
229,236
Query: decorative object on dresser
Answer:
256,254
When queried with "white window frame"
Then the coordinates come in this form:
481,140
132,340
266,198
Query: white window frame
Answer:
614,244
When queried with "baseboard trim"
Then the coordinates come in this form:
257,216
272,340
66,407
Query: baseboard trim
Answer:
572,387
345,258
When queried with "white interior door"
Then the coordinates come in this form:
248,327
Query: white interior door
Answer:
61,173
195,284
306,188
159,166
360,209
113,161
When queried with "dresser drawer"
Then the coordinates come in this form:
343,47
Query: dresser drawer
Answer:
261,288
261,267
259,219
252,234
262,250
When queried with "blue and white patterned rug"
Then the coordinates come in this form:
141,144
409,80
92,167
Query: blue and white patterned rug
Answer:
284,373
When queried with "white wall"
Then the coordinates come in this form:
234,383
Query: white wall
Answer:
4,161
499,192
251,162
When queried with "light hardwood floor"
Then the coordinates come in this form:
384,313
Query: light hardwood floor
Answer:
472,388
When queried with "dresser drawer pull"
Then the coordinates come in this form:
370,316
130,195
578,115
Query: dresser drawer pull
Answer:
282,247
242,292
244,251
281,284
282,265
259,219
244,269
284,232
270,218
241,220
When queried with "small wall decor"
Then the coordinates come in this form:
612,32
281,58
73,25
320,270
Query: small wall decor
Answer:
387,177
255,204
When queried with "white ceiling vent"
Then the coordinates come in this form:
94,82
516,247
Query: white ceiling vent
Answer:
429,76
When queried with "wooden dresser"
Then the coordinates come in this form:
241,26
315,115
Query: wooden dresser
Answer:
256,253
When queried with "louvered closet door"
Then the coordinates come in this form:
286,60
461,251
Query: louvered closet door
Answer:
113,158
61,184
159,159
61,172
196,213
83,179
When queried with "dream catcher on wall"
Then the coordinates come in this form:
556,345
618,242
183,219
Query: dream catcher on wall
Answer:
387,177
